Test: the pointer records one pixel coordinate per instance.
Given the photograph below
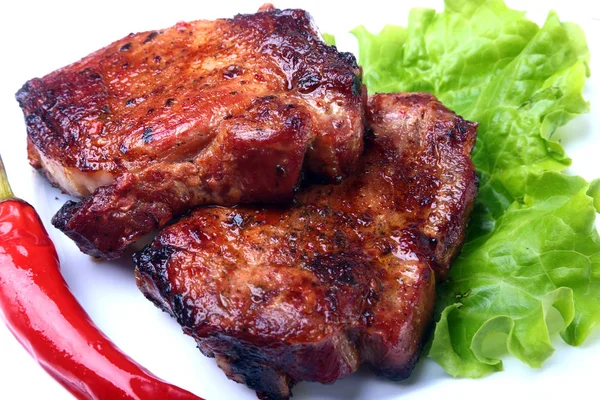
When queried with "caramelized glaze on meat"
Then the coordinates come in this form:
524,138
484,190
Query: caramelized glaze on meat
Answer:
344,276
206,112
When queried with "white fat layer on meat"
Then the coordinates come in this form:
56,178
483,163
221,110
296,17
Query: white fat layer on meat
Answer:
73,181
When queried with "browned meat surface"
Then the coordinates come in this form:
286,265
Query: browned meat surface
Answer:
344,276
206,112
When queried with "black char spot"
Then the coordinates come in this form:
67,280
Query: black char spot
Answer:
150,36
147,135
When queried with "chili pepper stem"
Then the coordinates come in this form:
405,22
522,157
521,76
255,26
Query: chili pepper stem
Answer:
5,192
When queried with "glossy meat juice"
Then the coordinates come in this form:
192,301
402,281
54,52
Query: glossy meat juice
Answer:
206,112
344,276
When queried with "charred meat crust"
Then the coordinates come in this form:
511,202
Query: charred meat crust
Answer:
244,104
344,276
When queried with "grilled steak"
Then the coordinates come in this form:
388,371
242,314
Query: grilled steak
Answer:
344,276
207,112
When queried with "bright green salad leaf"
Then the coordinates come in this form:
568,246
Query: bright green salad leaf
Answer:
329,39
531,261
543,252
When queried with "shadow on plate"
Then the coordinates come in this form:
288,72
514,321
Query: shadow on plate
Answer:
356,385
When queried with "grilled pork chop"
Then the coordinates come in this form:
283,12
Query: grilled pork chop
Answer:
344,276
207,112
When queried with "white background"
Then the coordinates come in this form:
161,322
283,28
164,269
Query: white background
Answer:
38,38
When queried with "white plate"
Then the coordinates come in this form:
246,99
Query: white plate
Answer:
39,38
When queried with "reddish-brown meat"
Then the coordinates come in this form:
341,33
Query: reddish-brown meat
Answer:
207,112
344,276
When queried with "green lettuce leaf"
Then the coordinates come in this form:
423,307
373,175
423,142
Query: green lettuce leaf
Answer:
544,252
329,39
531,258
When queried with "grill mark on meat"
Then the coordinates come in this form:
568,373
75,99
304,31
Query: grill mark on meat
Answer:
343,276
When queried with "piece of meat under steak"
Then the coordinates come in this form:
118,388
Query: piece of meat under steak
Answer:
206,112
344,276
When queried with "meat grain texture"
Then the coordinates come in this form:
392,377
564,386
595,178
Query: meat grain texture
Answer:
207,112
344,276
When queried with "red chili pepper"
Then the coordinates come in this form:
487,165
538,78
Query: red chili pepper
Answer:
39,309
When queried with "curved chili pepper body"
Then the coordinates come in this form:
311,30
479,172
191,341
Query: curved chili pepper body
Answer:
39,309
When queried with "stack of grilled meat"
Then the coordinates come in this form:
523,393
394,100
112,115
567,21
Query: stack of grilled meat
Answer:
338,213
